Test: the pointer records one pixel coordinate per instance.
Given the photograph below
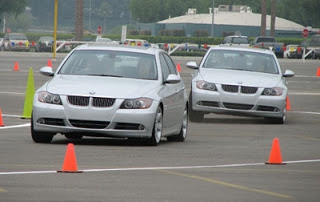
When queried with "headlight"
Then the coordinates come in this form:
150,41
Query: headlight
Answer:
139,103
49,98
273,91
206,85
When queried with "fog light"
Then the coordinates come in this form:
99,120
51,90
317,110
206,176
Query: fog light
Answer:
141,127
41,121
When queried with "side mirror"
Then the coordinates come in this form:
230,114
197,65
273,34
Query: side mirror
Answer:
47,71
172,79
288,73
192,65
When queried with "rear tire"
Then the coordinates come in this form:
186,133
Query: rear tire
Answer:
40,137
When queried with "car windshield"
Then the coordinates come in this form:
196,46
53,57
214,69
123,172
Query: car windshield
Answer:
241,60
17,37
110,63
46,38
240,40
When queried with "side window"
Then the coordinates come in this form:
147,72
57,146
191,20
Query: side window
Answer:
171,65
164,67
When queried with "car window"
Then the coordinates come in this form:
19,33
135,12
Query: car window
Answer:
241,60
164,67
111,63
171,65
17,37
240,40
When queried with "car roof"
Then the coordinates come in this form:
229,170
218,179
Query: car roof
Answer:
250,49
120,47
236,36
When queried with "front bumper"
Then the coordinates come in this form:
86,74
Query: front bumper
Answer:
238,103
94,121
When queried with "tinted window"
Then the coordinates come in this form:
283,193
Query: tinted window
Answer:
164,67
171,65
111,63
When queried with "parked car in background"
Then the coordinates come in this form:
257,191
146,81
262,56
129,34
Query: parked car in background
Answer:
136,42
293,51
268,42
15,42
238,81
44,44
236,40
313,46
115,91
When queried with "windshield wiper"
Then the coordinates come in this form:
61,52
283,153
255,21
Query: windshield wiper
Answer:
106,75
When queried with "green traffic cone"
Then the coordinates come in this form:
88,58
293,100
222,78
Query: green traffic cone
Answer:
27,109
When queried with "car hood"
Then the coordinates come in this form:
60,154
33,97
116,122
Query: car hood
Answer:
100,86
244,78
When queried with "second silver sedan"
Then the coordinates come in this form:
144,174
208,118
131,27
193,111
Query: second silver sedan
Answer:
239,81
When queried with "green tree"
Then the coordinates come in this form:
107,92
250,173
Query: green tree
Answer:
12,6
8,7
105,12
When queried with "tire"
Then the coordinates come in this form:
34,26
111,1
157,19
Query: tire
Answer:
183,131
280,120
40,137
194,116
157,128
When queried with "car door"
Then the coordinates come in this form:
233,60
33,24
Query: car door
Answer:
173,95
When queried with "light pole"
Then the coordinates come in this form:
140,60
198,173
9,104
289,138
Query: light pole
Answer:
212,19
90,16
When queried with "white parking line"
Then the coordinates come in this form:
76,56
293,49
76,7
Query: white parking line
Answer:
158,168
12,93
16,126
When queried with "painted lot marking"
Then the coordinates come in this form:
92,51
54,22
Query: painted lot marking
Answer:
227,184
157,168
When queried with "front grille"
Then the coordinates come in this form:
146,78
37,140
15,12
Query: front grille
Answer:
248,90
102,102
237,106
78,100
96,101
89,124
230,88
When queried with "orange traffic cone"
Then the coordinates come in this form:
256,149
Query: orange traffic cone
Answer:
318,72
70,162
288,105
49,64
1,121
178,67
16,67
275,153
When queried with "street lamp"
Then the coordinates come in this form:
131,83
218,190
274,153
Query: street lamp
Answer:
212,19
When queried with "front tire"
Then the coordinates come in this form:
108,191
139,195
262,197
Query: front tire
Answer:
40,137
184,129
194,116
157,128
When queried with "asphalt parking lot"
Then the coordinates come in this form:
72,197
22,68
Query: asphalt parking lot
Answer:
222,159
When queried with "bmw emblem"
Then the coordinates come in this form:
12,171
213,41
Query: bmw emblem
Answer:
239,82
92,92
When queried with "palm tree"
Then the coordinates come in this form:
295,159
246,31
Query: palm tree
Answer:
79,20
263,17
273,18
